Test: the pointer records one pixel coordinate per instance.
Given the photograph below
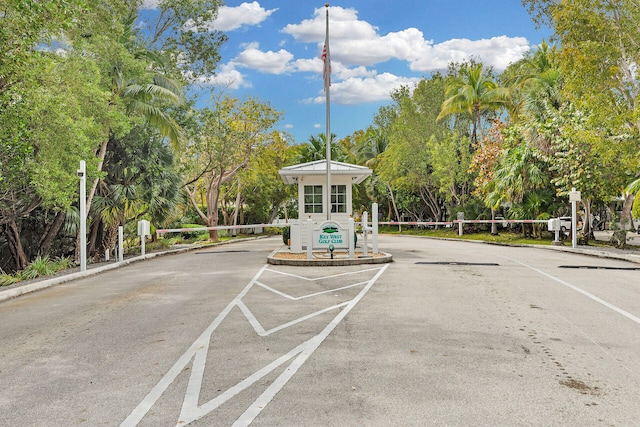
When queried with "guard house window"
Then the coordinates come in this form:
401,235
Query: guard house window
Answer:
313,199
339,198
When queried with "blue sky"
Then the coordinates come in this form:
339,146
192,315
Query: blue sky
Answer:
274,50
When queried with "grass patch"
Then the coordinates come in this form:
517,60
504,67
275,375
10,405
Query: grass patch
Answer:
41,266
504,236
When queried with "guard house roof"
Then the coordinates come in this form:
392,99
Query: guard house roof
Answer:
291,174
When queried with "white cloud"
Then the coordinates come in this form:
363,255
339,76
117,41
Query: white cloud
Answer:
227,77
266,62
356,42
232,18
150,4
497,51
344,23
357,90
356,47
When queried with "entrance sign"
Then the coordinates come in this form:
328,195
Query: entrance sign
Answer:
331,233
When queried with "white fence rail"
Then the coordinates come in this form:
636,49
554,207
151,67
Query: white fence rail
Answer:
221,227
419,223
466,221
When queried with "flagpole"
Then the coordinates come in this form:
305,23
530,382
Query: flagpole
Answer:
327,88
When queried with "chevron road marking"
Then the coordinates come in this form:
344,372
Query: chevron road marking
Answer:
196,355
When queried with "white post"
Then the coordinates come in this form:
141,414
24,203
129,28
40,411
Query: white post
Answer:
144,229
120,243
309,239
352,238
574,197
295,237
82,174
374,220
574,212
365,245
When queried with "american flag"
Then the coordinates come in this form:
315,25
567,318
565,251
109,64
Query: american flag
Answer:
326,60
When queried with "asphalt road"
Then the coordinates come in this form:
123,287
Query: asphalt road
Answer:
450,334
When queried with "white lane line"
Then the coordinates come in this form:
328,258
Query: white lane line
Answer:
310,346
197,355
583,292
320,278
192,412
285,295
202,342
263,333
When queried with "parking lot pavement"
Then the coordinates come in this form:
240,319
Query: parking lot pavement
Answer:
450,333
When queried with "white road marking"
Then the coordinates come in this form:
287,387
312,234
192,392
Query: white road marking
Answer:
263,333
310,346
202,342
323,277
197,356
583,292
285,295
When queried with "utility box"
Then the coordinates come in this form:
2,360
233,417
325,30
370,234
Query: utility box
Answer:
144,228
554,224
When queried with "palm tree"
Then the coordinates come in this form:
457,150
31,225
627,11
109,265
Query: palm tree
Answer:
520,172
316,149
474,93
140,182
146,96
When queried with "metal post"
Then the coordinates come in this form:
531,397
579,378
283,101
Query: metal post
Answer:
574,212
82,174
365,221
352,235
327,88
120,243
309,239
374,221
574,198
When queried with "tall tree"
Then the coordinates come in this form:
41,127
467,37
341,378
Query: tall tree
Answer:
51,109
369,152
230,136
472,91
599,56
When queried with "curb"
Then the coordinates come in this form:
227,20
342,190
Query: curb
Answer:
599,253
325,262
47,283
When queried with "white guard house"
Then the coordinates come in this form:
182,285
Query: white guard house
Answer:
312,192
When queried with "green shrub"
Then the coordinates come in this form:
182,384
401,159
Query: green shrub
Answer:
192,235
7,279
61,263
271,231
40,266
286,235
